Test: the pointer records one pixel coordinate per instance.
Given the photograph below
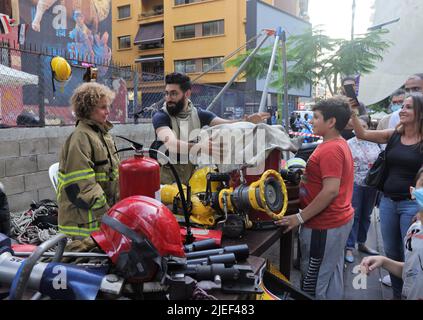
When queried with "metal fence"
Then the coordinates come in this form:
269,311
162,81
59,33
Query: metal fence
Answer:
231,105
30,97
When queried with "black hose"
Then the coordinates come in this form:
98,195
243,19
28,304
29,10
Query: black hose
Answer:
139,148
189,236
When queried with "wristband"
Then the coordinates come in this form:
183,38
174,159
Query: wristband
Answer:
300,219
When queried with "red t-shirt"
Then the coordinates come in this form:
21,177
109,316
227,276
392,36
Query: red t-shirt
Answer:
331,159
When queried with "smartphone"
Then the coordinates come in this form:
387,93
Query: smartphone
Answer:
350,92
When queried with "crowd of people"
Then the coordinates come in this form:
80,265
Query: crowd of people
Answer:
336,202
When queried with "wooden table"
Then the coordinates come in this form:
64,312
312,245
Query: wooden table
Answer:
260,240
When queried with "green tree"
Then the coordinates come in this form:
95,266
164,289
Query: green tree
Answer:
313,57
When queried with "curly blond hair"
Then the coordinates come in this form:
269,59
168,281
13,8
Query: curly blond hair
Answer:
87,96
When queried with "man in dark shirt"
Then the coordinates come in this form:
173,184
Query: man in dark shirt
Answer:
178,118
347,133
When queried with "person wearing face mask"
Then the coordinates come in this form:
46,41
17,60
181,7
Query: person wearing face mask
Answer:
413,84
411,270
177,119
397,98
402,161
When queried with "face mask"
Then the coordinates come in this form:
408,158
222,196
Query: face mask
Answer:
396,107
418,194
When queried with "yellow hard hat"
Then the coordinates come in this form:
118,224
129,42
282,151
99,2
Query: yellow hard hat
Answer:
61,69
198,181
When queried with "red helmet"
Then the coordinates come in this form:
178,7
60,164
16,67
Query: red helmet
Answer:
136,233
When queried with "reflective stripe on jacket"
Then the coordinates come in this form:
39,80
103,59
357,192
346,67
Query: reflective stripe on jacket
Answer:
88,178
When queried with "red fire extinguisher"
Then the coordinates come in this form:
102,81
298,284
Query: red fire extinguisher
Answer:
139,175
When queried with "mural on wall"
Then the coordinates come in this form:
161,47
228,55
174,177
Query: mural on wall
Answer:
76,29
83,26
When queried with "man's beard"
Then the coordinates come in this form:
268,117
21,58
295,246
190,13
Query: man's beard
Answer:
177,108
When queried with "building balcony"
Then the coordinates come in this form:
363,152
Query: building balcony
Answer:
151,11
151,48
150,19
158,76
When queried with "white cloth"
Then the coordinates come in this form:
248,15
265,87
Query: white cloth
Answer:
245,145
364,154
404,54
412,273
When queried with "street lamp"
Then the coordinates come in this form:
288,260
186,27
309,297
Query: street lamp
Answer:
379,26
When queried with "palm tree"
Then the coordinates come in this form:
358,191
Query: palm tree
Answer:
314,57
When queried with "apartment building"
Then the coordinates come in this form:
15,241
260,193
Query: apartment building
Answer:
189,36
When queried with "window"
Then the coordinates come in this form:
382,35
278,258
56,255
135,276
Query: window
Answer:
198,30
179,2
198,65
124,12
185,66
213,28
4,53
126,72
124,42
209,62
6,7
185,32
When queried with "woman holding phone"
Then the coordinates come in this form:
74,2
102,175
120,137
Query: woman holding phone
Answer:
349,90
403,160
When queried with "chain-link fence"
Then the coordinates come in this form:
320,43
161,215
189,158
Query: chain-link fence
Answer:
30,97
230,106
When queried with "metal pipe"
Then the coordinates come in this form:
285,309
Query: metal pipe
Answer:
65,254
238,72
269,72
230,55
285,80
193,81
21,279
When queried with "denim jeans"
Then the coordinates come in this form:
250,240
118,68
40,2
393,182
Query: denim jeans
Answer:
395,219
363,201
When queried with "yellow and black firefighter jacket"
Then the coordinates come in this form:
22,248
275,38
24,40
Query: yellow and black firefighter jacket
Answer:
88,178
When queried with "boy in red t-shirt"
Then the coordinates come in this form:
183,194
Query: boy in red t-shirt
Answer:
325,195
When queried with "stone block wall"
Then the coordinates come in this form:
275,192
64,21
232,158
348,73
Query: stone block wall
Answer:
27,153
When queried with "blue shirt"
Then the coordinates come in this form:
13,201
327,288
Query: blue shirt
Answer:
161,119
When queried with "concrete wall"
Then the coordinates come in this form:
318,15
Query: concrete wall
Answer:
27,153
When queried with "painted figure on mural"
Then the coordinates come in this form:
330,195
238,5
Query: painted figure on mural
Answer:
103,52
83,38
86,41
94,11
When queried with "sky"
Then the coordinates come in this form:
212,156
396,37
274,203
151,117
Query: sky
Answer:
335,16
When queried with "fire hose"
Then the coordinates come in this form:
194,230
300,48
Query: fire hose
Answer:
78,283
302,134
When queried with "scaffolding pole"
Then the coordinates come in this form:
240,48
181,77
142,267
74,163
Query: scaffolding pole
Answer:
238,72
262,107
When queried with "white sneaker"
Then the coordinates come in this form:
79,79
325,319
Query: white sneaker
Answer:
387,281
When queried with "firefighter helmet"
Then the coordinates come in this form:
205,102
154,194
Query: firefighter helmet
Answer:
61,69
136,233
295,163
